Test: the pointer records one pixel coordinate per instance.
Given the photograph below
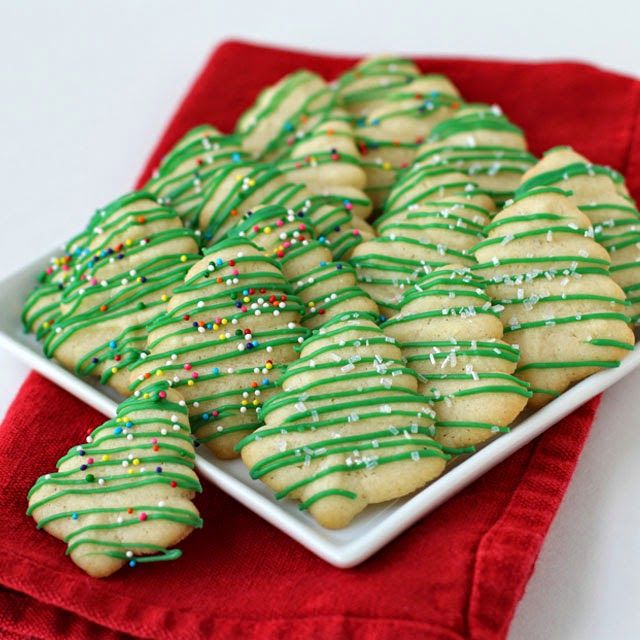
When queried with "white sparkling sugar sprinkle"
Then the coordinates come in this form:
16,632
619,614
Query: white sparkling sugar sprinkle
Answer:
469,371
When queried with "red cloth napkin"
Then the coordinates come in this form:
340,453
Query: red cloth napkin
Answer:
459,573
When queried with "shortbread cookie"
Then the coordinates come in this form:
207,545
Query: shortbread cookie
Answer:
366,86
224,340
482,143
451,334
295,103
184,172
389,136
126,495
326,287
348,429
560,304
134,255
600,193
235,190
325,156
432,218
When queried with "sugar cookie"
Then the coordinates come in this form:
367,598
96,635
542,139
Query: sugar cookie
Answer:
134,255
348,429
560,304
451,334
184,172
126,495
389,136
326,287
365,86
227,334
325,156
42,306
600,193
482,143
297,101
237,189
432,218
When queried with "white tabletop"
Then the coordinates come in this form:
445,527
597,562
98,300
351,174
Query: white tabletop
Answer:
87,87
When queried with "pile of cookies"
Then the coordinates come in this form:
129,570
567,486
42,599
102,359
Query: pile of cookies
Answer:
242,301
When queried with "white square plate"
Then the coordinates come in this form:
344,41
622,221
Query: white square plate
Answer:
373,528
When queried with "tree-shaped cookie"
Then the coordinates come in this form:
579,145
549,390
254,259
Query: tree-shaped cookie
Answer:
135,253
432,218
348,429
275,229
42,306
226,336
600,193
326,287
389,136
367,85
482,143
184,172
125,496
235,190
325,157
561,306
294,103
451,334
